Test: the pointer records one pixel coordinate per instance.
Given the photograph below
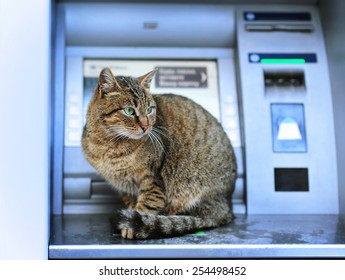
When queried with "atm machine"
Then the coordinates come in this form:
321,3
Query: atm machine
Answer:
261,70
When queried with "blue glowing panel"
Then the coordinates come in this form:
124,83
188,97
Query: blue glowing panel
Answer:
288,128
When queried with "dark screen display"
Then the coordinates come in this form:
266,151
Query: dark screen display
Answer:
291,179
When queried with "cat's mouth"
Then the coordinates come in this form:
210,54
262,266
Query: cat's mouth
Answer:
140,133
120,133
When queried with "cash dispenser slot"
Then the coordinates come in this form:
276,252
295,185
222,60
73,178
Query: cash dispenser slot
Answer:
292,81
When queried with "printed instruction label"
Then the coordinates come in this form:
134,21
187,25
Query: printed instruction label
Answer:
181,77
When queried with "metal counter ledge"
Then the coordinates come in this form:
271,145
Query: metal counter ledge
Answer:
253,236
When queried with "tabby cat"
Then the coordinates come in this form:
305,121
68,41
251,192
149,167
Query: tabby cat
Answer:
169,159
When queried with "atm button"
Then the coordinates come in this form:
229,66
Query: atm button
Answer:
74,98
73,110
233,135
230,123
230,111
74,123
74,136
229,99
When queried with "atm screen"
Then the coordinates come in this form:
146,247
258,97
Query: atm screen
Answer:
197,80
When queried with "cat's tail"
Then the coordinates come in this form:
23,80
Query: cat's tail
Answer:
134,225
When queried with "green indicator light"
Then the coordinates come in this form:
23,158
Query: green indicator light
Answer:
282,60
200,232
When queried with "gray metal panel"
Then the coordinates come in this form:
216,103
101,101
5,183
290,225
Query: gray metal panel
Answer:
77,188
75,163
149,25
58,113
332,13
260,160
132,52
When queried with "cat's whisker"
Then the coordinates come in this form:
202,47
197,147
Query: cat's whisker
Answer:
116,133
153,143
115,138
159,131
158,141
162,128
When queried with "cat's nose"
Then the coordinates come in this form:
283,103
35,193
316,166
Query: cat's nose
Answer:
144,127
144,124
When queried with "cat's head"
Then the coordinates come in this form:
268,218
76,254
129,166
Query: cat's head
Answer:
122,106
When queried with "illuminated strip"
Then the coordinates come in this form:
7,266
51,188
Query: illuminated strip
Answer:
282,60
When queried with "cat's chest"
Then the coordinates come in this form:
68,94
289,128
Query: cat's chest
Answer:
123,167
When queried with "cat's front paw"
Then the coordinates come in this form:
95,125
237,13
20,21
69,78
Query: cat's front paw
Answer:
127,233
130,224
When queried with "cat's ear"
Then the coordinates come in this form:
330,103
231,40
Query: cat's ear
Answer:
146,79
107,82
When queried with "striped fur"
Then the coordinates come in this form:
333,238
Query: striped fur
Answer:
143,226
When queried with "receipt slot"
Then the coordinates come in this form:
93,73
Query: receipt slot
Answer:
287,112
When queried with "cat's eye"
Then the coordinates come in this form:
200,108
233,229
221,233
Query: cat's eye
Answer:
149,110
129,111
